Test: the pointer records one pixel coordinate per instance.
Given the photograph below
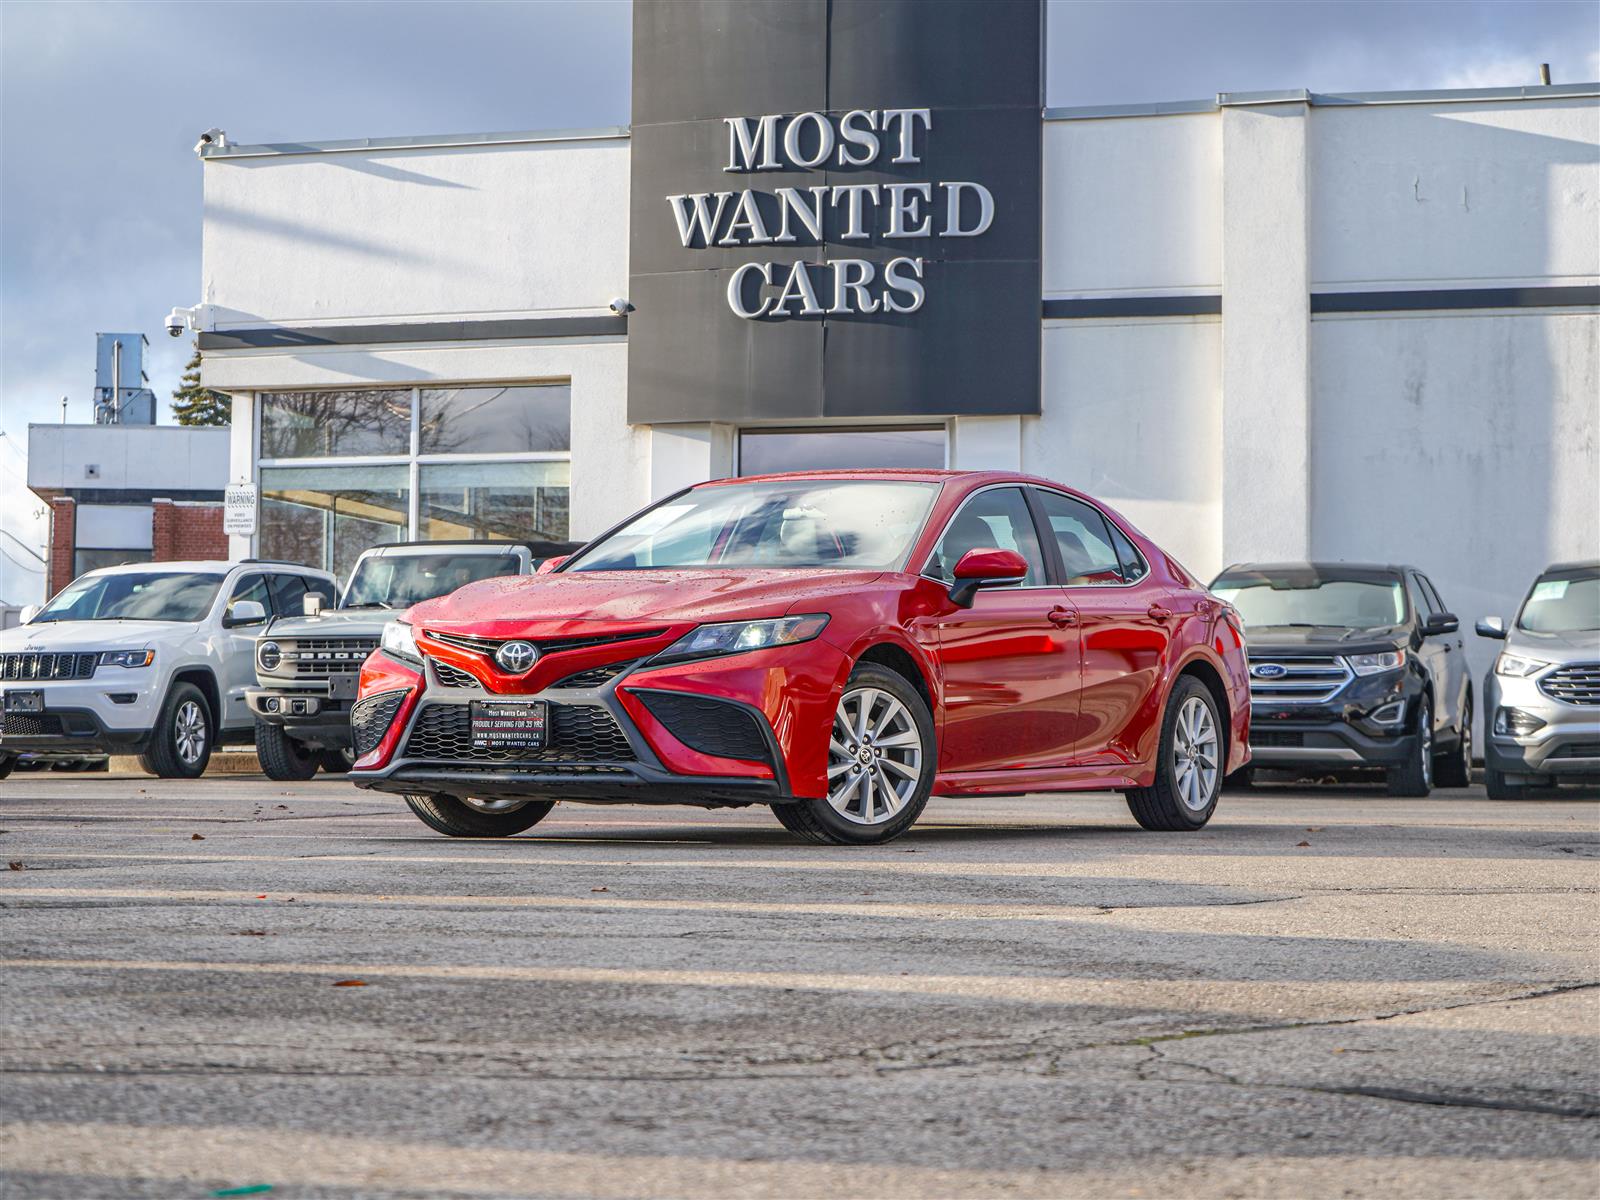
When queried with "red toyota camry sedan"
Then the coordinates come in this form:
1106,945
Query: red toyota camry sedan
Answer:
839,645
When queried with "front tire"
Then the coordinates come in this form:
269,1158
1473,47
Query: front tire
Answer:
336,762
180,744
1188,764
6,763
1454,770
1500,787
1414,777
880,764
281,757
478,818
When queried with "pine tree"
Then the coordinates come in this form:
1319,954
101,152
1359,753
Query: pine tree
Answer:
196,405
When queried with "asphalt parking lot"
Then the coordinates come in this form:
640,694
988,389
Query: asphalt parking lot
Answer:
238,984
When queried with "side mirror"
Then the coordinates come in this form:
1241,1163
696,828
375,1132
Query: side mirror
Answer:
1439,623
245,612
550,564
985,568
28,613
1492,627
312,604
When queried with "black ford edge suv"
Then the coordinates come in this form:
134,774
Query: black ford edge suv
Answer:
1354,665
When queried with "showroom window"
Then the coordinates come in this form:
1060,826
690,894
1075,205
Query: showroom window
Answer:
343,470
765,451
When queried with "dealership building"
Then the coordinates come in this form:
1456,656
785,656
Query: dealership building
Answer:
1264,326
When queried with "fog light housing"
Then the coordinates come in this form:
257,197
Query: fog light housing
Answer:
271,704
1516,723
1391,714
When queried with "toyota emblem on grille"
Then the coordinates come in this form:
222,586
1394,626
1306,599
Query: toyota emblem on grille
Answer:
1269,671
516,658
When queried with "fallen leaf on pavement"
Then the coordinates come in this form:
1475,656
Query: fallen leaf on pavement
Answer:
602,889
350,983
1297,845
250,933
1313,828
197,837
15,864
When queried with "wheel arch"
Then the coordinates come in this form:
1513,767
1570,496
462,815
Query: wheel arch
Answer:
203,679
900,660
1200,668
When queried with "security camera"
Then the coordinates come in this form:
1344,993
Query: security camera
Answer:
177,322
620,306
211,137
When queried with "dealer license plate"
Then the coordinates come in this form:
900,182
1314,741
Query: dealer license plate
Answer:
343,687
508,724
24,702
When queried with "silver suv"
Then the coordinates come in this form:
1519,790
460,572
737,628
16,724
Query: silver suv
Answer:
1541,699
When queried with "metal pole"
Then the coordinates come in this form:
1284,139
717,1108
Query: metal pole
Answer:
116,381
1544,74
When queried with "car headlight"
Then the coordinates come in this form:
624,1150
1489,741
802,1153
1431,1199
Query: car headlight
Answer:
269,655
735,637
1376,664
127,658
1514,666
398,642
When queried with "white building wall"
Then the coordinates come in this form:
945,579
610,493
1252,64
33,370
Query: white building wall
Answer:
152,457
1133,415
530,228
1458,194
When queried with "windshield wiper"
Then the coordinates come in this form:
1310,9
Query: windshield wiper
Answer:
370,604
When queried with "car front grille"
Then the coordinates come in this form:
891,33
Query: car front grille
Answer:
320,657
33,664
371,717
1308,680
578,733
1578,683
1578,750
710,726
27,725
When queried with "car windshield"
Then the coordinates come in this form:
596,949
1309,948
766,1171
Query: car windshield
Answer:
1562,602
401,580
860,524
1315,600
134,596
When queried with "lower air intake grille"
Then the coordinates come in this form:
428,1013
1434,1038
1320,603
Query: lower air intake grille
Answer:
370,719
578,733
1276,737
453,677
709,726
594,677
25,725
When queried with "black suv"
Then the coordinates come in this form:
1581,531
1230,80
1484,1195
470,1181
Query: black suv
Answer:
1353,665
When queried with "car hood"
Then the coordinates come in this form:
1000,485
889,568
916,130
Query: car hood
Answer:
1329,639
346,622
54,637
1581,645
505,606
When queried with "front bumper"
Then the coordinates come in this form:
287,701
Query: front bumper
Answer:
110,713
741,729
310,715
1341,732
1566,746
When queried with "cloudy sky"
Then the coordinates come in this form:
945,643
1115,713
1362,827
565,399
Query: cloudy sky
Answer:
100,105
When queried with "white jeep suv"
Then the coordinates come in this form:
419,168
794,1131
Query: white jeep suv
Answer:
151,659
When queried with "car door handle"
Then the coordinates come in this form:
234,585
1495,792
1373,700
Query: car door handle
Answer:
1159,612
1063,617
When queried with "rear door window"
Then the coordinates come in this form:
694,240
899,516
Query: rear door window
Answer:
1088,557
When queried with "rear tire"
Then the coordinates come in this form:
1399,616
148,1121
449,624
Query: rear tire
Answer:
335,762
180,744
1454,770
281,757
1185,791
1499,786
899,739
1241,780
6,763
457,818
1414,777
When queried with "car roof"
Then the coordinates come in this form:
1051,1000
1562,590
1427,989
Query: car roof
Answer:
915,475
1316,566
399,549
208,566
1580,565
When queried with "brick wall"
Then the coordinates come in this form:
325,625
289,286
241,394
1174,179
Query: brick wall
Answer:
63,539
183,530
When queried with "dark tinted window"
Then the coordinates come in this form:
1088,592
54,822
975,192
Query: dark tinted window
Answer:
994,520
1431,595
1088,557
320,587
1133,564
251,587
288,594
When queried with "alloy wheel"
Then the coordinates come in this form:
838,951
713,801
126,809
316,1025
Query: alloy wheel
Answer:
1194,754
189,731
874,757
502,805
1425,742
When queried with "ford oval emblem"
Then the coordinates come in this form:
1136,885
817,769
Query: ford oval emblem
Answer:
1269,671
517,658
